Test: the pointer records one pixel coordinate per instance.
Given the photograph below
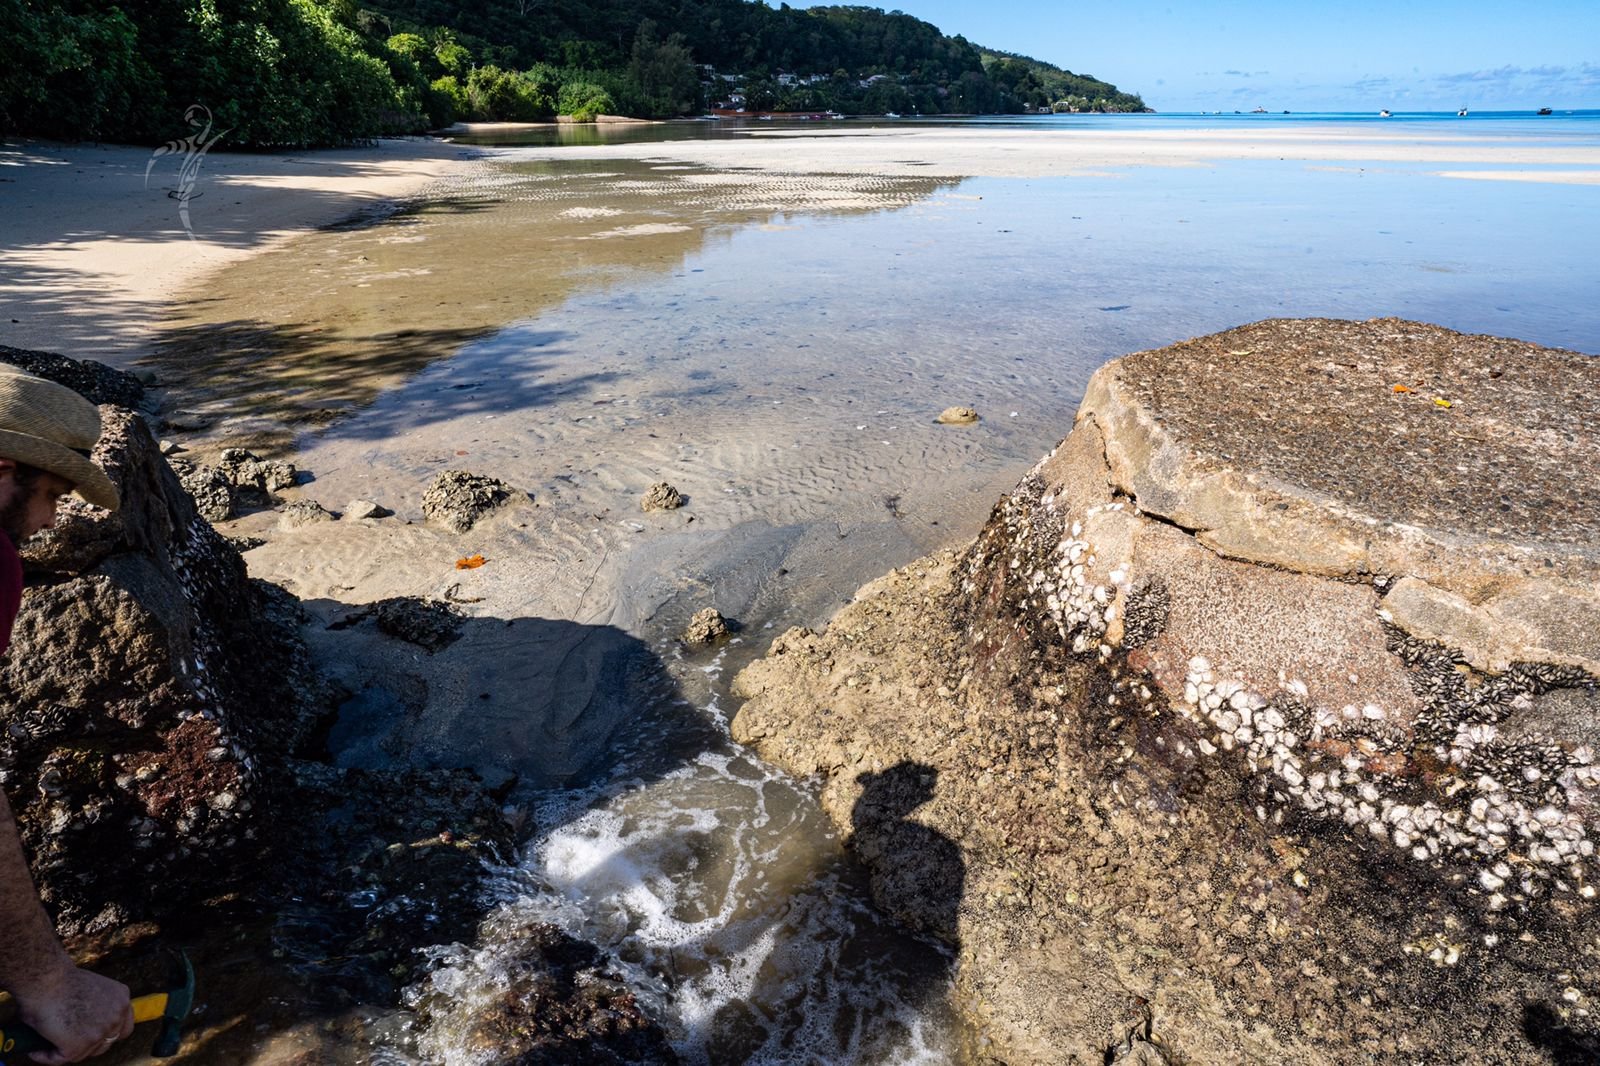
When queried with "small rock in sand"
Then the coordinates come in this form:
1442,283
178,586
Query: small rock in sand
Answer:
303,513
957,416
706,627
366,509
457,499
168,447
662,497
427,623
210,489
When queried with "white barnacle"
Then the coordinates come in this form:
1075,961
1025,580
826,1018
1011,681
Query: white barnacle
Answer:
1492,882
1373,713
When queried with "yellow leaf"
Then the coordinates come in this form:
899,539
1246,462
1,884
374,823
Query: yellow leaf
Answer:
1441,402
471,562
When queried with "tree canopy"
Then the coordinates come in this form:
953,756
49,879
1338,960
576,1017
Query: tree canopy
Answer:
305,72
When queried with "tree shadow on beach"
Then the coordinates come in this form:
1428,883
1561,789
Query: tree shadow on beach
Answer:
269,383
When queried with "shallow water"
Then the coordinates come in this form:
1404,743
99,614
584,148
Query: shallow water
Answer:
777,347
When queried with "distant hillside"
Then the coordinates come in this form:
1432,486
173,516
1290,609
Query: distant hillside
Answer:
1037,84
300,72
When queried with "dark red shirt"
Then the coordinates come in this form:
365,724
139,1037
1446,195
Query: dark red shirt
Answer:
10,589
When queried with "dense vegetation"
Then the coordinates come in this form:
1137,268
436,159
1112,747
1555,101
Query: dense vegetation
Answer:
296,72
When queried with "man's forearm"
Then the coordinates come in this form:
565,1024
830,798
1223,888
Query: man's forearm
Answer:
29,949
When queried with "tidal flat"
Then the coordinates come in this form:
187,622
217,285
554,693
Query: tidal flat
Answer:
771,324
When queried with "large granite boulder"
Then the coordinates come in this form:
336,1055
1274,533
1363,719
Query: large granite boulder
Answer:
1261,715
148,681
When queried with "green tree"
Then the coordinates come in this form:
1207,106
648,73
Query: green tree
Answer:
584,101
662,72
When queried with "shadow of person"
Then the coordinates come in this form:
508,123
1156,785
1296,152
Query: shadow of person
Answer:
530,703
1567,1046
917,873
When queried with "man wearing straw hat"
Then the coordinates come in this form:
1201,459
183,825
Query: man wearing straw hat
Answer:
46,432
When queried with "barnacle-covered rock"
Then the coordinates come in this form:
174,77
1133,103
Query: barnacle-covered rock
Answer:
706,627
1268,699
146,677
661,497
457,499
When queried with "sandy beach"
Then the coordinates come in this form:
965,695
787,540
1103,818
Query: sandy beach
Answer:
1000,152
91,255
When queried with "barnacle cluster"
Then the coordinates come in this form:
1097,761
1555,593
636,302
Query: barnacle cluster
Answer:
1503,817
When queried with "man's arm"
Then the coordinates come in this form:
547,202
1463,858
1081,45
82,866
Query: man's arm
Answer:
81,1013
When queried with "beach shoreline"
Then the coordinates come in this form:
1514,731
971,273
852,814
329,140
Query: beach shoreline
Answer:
94,255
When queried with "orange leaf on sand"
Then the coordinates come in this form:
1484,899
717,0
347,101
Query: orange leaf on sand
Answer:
471,562
1402,388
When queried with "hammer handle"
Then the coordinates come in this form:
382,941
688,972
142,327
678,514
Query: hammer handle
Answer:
19,1039
149,1008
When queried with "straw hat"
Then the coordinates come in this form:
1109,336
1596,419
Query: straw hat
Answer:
51,427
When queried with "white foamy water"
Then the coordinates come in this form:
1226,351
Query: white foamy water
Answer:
723,894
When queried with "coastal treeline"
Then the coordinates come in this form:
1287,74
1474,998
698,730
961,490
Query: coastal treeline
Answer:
308,72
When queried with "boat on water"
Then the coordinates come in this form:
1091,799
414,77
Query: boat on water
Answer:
1545,111
1386,113
1462,113
891,114
1259,111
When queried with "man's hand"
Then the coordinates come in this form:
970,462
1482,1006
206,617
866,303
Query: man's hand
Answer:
81,1013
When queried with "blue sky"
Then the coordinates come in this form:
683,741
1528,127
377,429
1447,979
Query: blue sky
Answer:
1311,55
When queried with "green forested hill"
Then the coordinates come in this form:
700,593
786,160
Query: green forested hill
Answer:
297,72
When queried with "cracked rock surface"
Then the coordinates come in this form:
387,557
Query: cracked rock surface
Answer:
1242,748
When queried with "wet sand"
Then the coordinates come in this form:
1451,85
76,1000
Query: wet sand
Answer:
91,255
1036,153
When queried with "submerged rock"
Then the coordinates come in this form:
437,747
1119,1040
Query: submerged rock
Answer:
706,627
957,416
537,997
457,499
661,497
1262,714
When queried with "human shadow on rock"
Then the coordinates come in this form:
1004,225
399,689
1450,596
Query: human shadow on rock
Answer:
526,703
1567,1046
918,875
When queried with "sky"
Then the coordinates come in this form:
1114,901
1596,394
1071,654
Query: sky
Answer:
1311,55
